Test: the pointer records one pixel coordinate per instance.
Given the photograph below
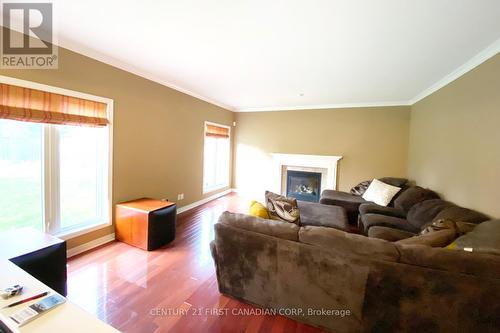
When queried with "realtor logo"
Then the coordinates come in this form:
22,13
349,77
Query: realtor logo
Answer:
27,36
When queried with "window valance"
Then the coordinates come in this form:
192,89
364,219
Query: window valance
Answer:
25,104
216,131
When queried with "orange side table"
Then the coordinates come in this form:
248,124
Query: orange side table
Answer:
145,223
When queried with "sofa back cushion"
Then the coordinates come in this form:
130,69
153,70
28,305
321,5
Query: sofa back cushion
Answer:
398,182
460,214
424,212
413,195
259,225
349,244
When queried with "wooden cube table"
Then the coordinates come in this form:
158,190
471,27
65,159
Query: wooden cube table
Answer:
145,223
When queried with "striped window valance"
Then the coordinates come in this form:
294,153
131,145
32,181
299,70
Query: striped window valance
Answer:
216,131
25,104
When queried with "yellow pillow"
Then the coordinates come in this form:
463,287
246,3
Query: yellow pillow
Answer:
452,246
259,210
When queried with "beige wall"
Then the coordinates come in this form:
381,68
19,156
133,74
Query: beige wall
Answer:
372,141
158,137
158,132
455,139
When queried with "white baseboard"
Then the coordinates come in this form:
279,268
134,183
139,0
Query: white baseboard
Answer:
111,237
90,245
203,201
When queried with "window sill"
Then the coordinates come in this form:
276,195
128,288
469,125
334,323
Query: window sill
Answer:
215,188
80,231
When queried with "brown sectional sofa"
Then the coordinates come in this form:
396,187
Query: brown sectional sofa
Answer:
386,287
413,209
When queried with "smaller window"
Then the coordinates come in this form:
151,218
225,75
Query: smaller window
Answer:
216,157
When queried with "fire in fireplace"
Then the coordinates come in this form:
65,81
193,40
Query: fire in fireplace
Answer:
303,185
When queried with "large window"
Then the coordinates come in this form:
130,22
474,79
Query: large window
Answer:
216,157
53,177
54,159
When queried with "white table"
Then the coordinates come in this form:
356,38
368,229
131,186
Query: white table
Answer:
67,317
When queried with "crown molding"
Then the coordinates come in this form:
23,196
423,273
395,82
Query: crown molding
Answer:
324,106
91,53
489,52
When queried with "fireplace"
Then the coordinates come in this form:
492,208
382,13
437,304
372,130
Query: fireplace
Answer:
323,167
303,185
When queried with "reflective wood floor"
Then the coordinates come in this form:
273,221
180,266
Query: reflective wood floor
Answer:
173,289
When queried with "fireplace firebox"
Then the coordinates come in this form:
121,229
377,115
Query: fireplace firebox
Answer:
303,185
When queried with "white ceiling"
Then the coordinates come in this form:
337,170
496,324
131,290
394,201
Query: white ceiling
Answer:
270,54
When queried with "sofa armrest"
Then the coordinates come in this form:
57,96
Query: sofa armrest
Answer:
348,201
458,261
372,208
370,220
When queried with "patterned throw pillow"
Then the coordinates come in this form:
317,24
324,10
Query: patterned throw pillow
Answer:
361,188
282,208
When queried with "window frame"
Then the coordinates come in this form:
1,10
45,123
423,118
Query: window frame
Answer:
49,144
226,185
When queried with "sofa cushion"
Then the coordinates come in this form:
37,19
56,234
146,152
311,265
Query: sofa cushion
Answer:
460,214
398,182
348,244
380,192
388,234
320,215
413,195
282,208
424,212
484,238
440,238
259,225
372,208
333,197
370,220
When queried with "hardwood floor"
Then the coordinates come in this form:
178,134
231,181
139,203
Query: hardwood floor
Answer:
163,290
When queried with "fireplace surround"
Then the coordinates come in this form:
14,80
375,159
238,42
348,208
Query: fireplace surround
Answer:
326,166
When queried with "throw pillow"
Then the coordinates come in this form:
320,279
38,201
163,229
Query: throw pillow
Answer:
459,228
439,238
380,192
440,224
360,189
484,238
282,208
259,210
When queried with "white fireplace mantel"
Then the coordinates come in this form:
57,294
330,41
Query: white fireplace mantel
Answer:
327,163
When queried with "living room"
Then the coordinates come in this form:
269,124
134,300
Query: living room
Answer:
354,144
